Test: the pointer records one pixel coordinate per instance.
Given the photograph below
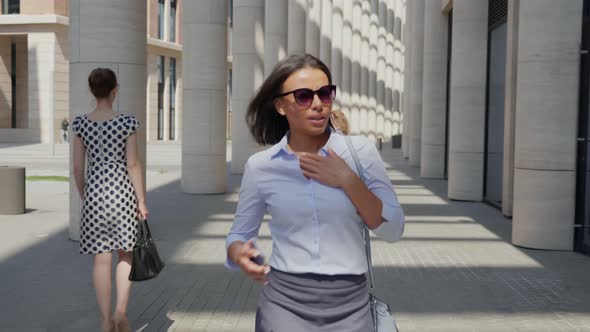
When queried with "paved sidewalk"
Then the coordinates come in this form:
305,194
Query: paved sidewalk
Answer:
454,270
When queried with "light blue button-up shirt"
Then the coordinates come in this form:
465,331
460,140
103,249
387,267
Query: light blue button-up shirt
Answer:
315,228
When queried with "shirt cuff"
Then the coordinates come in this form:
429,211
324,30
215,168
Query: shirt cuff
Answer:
231,239
392,229
388,212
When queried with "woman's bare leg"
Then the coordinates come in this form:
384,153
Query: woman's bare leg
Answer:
123,290
101,276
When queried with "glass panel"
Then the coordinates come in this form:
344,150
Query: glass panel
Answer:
587,203
588,90
448,64
231,13
582,235
173,21
160,97
11,7
229,104
172,98
161,19
495,114
587,208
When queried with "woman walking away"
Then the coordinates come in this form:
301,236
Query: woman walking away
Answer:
113,194
306,181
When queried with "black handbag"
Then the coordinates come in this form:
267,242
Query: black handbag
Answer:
146,263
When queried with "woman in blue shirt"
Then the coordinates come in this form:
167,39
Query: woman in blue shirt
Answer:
307,182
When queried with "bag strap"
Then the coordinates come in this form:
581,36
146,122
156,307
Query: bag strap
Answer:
365,228
144,228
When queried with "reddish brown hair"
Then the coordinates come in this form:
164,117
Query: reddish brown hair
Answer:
101,82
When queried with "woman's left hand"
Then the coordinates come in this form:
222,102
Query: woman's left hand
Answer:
331,170
142,211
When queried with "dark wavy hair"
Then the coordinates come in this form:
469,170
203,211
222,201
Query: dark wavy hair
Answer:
266,125
101,82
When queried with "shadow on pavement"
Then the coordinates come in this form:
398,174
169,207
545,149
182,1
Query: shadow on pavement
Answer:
455,259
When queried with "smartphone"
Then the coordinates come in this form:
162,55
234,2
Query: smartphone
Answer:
260,258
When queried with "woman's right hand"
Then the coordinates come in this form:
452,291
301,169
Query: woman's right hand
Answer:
243,254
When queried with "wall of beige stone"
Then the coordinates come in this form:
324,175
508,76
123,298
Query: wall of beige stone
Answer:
61,82
152,18
5,82
44,7
22,93
152,97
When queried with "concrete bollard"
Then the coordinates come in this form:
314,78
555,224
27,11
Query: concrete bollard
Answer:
12,190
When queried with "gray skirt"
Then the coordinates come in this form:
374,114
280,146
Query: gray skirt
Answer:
313,302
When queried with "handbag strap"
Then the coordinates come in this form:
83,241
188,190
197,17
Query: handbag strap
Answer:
144,228
365,228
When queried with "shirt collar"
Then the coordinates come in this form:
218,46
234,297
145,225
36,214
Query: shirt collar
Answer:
282,147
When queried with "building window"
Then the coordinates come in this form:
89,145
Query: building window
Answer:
161,19
229,103
172,123
494,132
173,21
230,14
10,6
160,97
13,82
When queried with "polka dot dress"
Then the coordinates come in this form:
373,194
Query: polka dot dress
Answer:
109,207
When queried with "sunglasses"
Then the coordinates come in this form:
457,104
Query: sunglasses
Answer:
304,97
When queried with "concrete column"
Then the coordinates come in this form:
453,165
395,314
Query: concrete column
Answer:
510,107
296,22
406,95
248,75
434,96
381,67
124,52
417,45
312,27
373,55
326,33
468,99
346,58
546,123
275,33
204,88
389,61
336,54
41,70
355,77
5,82
364,128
